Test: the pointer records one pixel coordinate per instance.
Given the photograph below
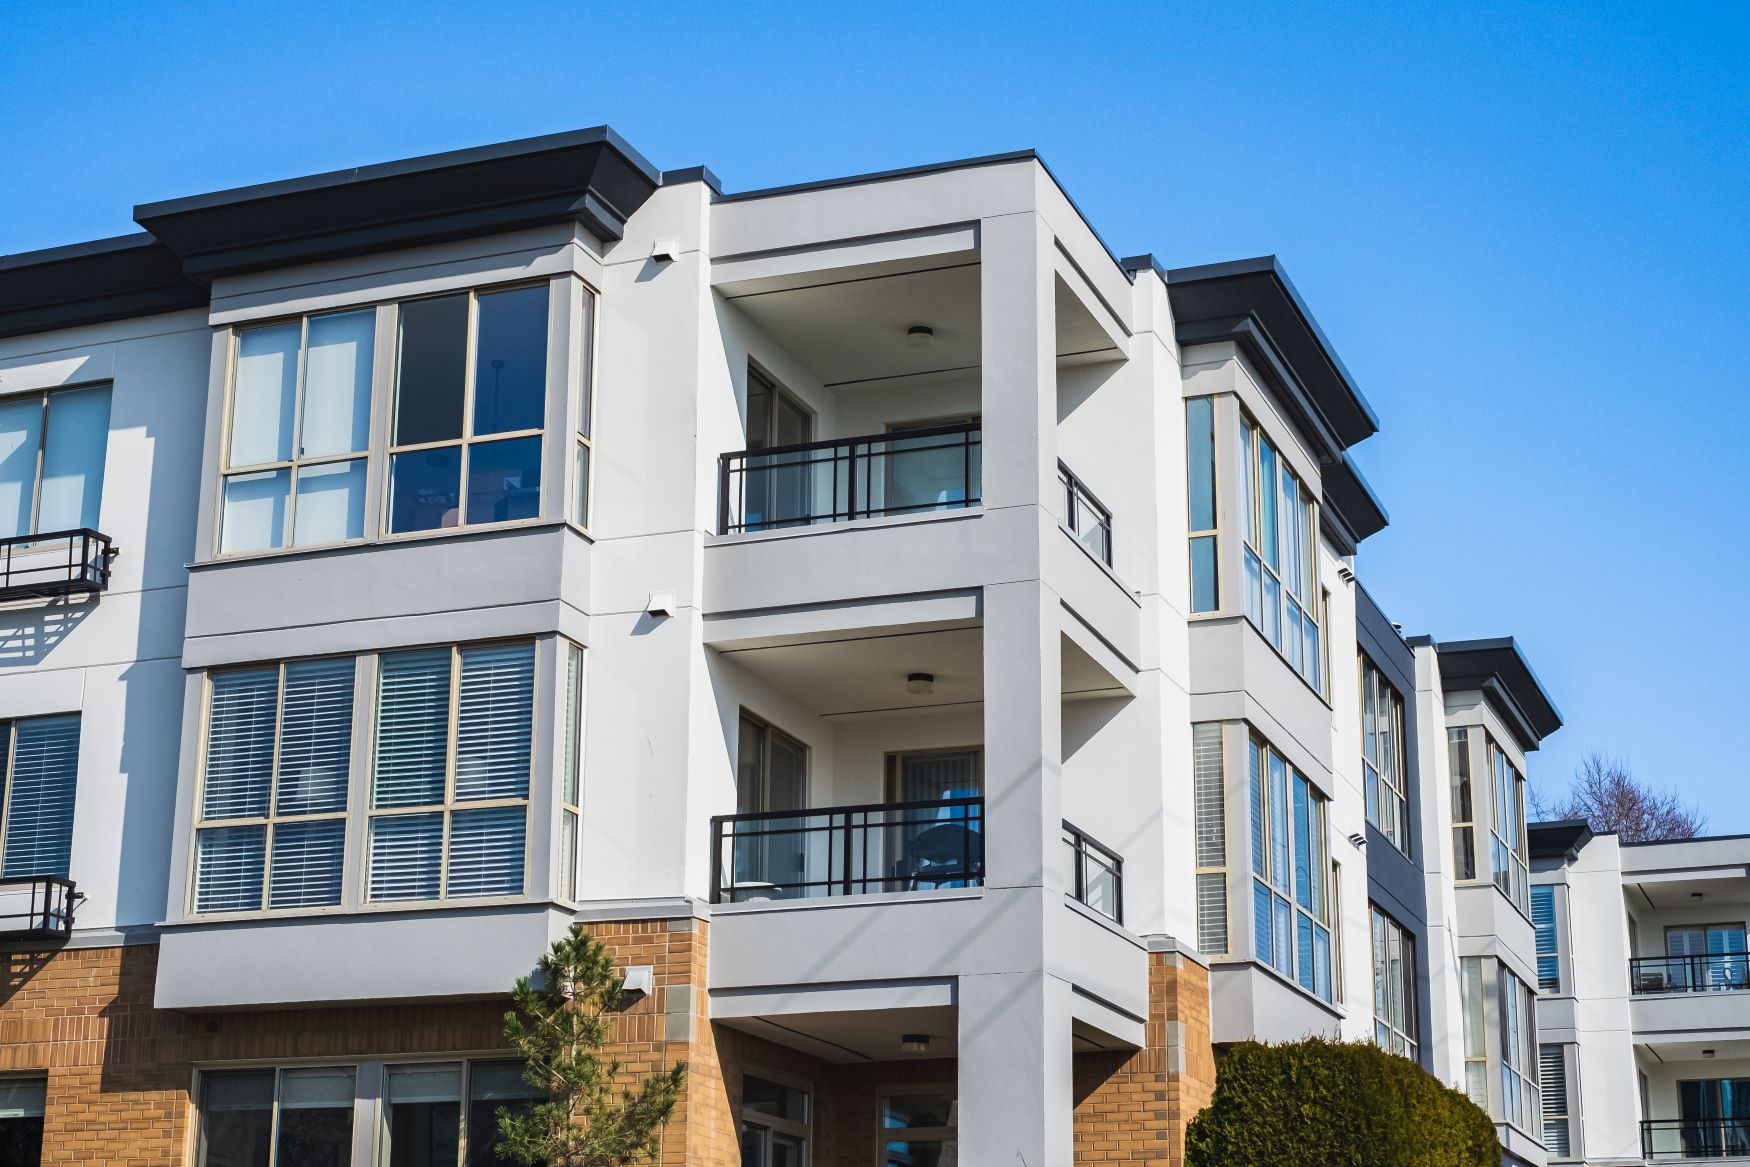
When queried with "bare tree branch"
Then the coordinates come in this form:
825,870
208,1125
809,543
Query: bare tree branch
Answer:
1607,795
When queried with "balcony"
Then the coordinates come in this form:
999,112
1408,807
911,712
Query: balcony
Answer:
903,472
38,908
1098,874
848,850
1698,1138
1724,972
54,563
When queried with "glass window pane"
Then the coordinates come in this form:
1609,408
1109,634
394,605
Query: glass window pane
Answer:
495,721
586,416
236,1118
504,480
228,863
315,736
413,725
493,1086
240,743
1203,581
331,503
903,1111
337,384
315,1118
265,395
431,371
406,857
39,811
1200,444
20,437
306,869
21,1120
255,511
763,1096
486,852
424,1115
78,437
580,492
425,489
1267,499
510,363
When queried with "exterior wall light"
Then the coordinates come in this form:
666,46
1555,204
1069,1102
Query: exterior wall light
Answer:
915,1043
921,337
922,684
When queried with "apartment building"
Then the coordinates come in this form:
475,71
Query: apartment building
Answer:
1645,1018
923,645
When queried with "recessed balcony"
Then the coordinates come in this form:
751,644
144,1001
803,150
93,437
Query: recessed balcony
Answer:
1724,972
1668,1139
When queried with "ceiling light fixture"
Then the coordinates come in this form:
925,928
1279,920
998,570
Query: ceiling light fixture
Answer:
921,684
920,337
915,1043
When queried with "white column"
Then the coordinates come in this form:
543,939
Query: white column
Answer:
1018,322
1016,1089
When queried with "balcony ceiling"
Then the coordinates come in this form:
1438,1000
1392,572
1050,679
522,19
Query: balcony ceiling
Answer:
869,1035
864,673
850,331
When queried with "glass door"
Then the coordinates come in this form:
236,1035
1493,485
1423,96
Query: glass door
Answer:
1708,957
777,485
938,846
771,775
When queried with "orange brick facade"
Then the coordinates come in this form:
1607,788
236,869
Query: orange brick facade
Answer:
120,1073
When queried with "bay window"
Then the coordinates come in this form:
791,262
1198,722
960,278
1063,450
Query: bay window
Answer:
470,398
1521,1103
1394,985
271,824
1508,852
1382,756
450,773
52,451
299,433
1279,525
1291,868
1486,782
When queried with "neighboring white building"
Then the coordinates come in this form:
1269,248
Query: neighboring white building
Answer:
1646,1015
928,643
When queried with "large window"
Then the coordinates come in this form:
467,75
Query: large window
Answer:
775,1117
1543,922
51,460
1553,1067
1200,455
1464,831
1520,1101
470,399
1715,1118
1486,783
1291,865
276,1117
21,1119
1382,756
272,817
437,1114
41,756
1508,852
918,1127
1394,985
295,454
1209,804
1280,523
450,773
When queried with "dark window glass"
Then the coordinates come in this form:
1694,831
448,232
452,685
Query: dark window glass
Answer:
510,362
432,370
774,1098
315,1118
425,1115
236,1122
21,1121
424,489
493,1086
504,480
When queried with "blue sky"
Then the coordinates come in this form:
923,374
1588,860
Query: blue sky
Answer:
1524,227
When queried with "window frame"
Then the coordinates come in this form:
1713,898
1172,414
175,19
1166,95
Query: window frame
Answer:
468,438
941,1135
43,397
580,493
1563,1114
1376,780
278,1069
10,775
802,1132
1517,1026
1399,1031
197,823
574,662
292,465
449,806
1319,867
1310,600
1553,983
1193,532
1209,834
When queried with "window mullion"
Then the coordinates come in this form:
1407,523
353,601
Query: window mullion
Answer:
297,434
42,443
6,783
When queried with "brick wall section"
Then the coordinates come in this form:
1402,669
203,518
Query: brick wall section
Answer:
120,1071
1133,1107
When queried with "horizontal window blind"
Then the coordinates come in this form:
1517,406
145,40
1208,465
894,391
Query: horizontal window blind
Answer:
495,722
486,852
228,868
406,856
240,742
413,726
307,859
39,797
1209,808
1554,1068
1212,913
315,737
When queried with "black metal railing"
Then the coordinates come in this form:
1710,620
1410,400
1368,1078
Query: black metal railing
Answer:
1718,972
54,563
1087,518
1695,1138
1098,873
905,472
37,907
847,850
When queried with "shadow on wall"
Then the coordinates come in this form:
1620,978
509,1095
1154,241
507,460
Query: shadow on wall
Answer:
29,634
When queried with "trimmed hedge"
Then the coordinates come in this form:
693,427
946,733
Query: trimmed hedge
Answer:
1318,1103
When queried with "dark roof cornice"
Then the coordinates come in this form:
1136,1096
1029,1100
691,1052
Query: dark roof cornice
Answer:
89,283
1498,669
